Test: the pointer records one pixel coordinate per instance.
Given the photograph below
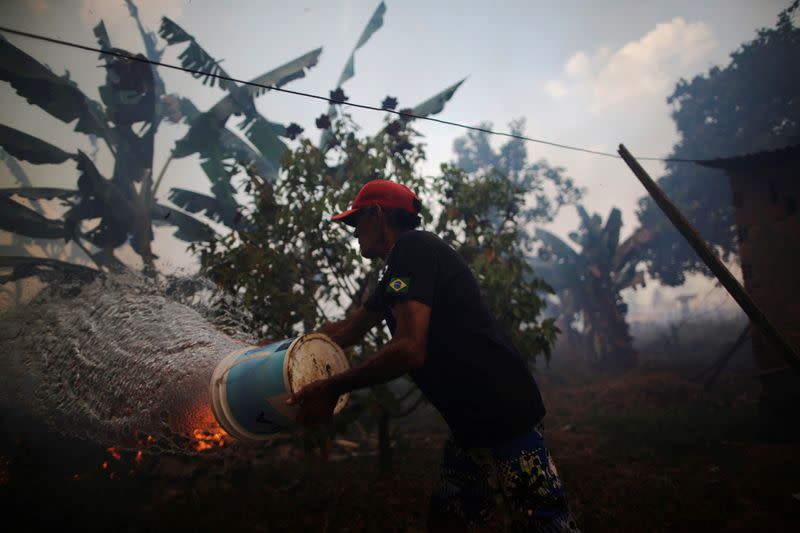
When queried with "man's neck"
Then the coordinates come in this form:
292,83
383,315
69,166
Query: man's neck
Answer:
391,239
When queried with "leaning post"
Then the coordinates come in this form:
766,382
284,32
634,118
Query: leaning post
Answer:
725,277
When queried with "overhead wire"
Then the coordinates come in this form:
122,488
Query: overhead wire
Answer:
405,114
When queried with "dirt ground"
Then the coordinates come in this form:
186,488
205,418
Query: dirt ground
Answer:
649,451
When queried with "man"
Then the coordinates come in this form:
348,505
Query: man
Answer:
495,466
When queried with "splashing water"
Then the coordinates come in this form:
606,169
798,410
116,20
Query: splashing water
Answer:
121,359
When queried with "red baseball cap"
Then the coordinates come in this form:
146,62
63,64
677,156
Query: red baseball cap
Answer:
385,193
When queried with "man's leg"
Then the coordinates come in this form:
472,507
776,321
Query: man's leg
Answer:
532,494
461,500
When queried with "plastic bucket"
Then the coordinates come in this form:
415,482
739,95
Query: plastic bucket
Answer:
249,387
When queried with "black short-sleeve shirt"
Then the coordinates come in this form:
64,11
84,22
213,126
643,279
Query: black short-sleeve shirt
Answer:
472,373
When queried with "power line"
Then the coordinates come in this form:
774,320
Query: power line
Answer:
200,73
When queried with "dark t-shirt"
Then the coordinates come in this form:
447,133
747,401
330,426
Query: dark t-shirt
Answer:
472,373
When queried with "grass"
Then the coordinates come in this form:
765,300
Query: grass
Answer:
672,433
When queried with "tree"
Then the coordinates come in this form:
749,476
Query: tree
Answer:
126,203
490,198
295,270
588,283
748,106
135,94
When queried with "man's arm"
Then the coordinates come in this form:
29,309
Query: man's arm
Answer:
405,352
352,329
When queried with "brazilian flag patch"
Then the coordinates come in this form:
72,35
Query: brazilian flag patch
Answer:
398,285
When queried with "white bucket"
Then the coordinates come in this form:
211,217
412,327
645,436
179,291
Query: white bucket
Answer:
249,387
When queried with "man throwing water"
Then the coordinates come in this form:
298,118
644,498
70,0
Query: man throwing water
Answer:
495,466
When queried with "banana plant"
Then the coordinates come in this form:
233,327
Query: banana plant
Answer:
208,135
133,95
124,203
588,282
221,150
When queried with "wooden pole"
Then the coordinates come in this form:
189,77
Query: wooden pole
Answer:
730,283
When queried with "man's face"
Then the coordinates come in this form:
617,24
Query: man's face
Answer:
368,233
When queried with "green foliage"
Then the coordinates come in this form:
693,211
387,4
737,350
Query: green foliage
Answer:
490,197
295,269
29,148
57,95
133,92
16,218
291,266
129,97
481,218
748,106
545,188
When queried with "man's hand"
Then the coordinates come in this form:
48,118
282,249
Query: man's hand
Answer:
316,402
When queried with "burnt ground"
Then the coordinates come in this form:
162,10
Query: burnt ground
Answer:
649,451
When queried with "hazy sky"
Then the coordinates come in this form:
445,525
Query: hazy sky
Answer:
592,74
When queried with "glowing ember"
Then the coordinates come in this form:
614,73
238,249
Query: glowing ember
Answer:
208,439
114,453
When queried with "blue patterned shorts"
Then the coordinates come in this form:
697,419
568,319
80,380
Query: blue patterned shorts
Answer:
512,486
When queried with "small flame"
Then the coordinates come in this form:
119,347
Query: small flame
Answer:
208,439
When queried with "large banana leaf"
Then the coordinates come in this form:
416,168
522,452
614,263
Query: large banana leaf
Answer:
586,220
435,104
102,39
57,95
31,149
189,228
558,247
149,38
207,127
373,25
44,268
611,231
264,136
235,148
210,206
17,218
241,100
194,57
39,193
631,249
550,271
